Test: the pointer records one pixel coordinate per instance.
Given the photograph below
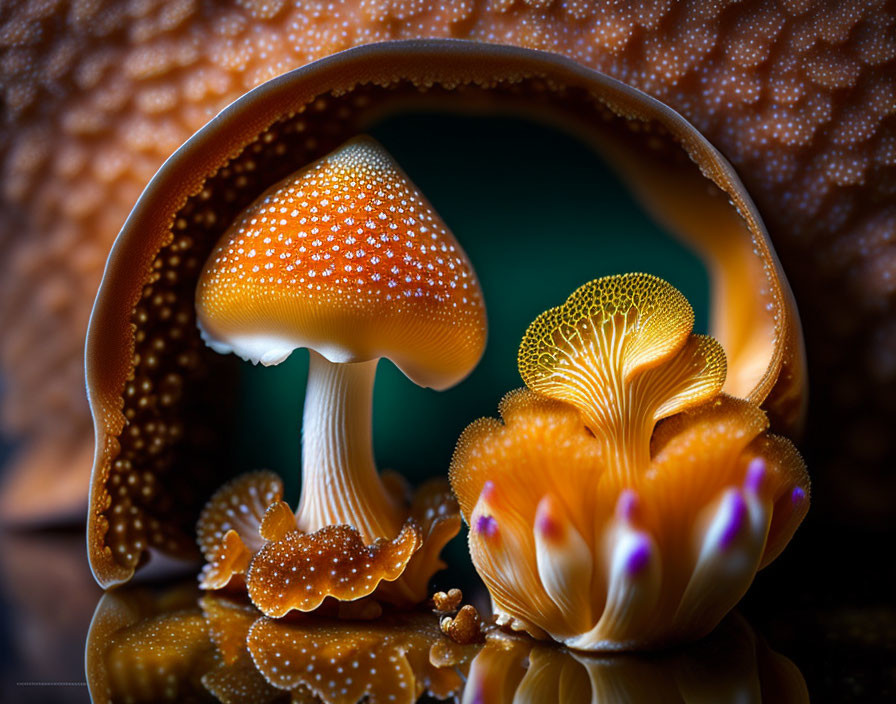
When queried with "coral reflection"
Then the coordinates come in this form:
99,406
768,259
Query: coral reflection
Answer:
181,646
733,664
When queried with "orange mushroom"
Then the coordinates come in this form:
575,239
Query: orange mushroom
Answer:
594,521
348,259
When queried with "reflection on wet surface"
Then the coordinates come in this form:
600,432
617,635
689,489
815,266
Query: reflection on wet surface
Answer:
171,642
733,664
180,645
47,596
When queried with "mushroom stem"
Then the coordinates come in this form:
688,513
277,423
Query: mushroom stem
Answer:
340,483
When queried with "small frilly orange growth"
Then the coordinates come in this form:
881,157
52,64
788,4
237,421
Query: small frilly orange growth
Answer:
597,523
250,540
447,602
465,627
228,529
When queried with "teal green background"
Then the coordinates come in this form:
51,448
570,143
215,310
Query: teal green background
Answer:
539,213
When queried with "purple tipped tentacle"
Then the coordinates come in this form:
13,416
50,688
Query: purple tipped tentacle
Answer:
626,505
736,509
639,555
486,526
756,473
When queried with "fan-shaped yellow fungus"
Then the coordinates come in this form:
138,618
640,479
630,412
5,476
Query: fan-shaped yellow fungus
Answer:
639,328
594,521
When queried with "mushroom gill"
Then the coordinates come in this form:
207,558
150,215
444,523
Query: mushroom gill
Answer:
160,399
624,503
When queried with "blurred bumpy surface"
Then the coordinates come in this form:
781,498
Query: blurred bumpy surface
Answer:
799,95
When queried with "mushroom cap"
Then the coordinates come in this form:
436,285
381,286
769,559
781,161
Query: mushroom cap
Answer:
348,258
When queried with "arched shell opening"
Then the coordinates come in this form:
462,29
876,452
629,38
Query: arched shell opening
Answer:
160,399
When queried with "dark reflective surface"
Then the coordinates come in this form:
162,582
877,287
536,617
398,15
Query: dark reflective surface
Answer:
148,645
48,597
168,642
172,644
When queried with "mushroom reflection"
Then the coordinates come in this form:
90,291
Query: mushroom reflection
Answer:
144,647
180,647
347,259
394,659
732,665
593,520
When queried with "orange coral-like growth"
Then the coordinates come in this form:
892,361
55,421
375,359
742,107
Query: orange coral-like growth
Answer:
227,531
285,568
591,523
329,561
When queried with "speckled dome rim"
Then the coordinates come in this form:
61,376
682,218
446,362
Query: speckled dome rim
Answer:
110,342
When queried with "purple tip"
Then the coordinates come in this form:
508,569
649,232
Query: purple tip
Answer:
737,511
797,496
626,505
486,525
755,475
638,556
547,526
